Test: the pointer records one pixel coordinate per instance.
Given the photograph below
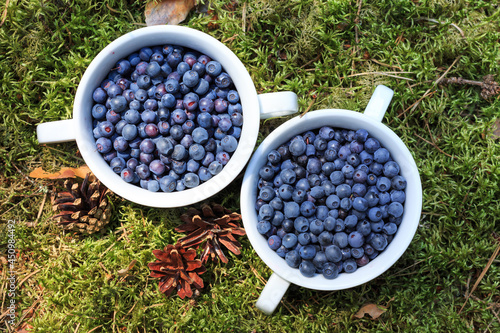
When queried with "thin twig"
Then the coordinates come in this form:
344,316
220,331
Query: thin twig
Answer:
4,14
244,18
40,211
27,277
386,65
483,273
441,22
391,74
435,146
429,91
308,107
92,330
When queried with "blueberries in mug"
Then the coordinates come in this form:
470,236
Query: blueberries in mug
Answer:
172,111
337,197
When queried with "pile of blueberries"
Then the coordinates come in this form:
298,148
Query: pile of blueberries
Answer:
330,200
167,118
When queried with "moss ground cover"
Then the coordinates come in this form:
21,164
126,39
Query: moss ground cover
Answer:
332,54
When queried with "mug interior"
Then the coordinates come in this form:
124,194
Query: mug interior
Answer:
340,119
152,36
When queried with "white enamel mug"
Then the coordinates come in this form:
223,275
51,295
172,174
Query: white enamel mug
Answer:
255,107
283,275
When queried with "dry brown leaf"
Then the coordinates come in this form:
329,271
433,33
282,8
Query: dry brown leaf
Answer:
123,272
80,172
373,310
168,11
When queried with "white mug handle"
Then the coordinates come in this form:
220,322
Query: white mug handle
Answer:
277,104
272,294
56,131
379,102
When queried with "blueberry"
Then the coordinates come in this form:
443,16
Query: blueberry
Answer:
307,252
120,144
222,157
330,271
215,168
375,214
360,204
274,242
164,146
307,268
117,164
383,184
267,193
378,242
333,201
313,165
390,228
229,143
395,209
340,239
359,176
293,258
325,238
301,224
372,198
191,180
297,147
316,226
191,78
266,172
104,145
339,225
345,204
233,96
337,177
127,175
398,182
223,80
263,226
197,152
398,196
356,239
307,208
371,145
213,68
99,111
288,176
350,266
157,167
333,253
285,192
304,238
343,191
290,240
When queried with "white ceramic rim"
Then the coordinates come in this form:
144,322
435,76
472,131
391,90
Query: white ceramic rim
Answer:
341,119
159,35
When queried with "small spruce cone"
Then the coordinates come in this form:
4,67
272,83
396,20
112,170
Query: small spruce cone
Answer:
84,207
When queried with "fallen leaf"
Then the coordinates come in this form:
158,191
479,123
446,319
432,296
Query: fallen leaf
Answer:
123,272
168,11
373,310
80,172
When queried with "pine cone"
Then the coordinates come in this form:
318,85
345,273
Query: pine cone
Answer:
83,208
177,268
209,228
